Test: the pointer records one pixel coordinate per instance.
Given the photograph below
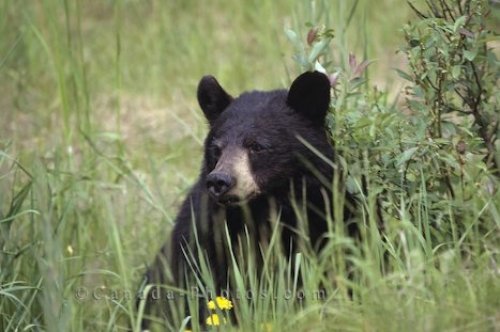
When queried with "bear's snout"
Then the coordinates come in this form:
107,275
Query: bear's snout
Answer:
219,183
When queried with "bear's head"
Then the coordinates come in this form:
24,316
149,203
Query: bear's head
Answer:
260,141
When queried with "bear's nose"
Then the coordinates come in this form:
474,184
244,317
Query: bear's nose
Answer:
219,183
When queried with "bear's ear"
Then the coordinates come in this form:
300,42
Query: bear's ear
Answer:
212,98
309,95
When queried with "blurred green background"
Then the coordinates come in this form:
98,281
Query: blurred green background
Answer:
131,67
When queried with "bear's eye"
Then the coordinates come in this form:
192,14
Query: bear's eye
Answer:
255,147
216,151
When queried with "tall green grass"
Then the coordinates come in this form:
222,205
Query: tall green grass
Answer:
100,138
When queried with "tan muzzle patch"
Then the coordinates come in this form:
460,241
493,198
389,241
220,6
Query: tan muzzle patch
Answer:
237,164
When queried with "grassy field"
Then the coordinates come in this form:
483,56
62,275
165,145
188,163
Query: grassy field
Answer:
101,137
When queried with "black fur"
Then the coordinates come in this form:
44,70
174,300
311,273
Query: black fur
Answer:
267,125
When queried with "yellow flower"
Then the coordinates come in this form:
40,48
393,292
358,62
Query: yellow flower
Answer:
215,320
267,327
220,302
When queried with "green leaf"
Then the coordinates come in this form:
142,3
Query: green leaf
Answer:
295,40
449,128
416,105
470,55
301,60
405,156
355,83
459,23
352,186
411,177
317,49
292,36
450,161
455,72
404,75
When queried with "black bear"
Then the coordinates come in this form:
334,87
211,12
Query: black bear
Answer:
264,150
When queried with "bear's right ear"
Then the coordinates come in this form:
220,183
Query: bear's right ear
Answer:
212,98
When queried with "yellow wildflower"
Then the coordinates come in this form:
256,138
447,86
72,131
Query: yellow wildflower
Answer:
215,320
267,327
221,303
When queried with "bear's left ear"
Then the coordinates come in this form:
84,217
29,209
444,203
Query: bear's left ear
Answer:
309,95
213,99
